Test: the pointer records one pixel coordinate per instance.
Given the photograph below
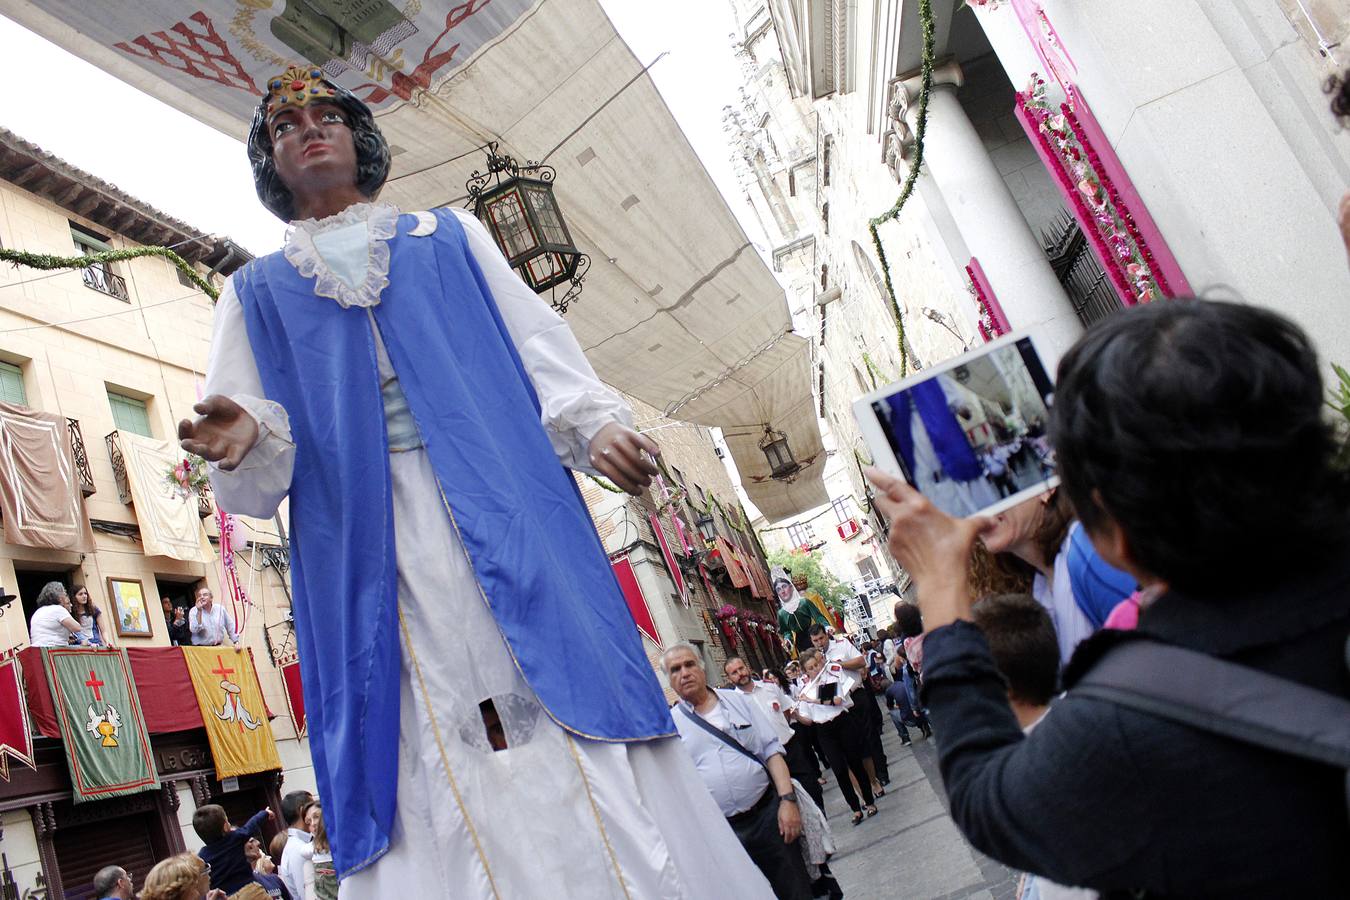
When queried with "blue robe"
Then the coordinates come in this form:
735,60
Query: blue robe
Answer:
537,558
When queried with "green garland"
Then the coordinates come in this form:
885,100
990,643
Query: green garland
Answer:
612,488
48,262
921,126
874,371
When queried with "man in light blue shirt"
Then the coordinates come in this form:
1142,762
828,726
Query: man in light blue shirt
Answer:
738,754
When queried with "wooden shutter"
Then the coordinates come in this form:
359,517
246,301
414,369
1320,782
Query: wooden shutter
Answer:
11,385
129,414
81,850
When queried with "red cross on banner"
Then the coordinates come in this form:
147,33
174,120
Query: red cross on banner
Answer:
95,684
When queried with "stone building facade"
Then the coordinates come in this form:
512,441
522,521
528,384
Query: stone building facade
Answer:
1169,149
114,348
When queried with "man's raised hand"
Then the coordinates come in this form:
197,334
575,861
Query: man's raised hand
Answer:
222,433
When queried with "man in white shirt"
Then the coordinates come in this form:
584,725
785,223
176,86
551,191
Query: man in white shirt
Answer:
778,708
210,624
865,713
292,866
737,752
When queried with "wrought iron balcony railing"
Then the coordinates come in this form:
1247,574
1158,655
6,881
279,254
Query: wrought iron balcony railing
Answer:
119,465
82,470
101,279
204,501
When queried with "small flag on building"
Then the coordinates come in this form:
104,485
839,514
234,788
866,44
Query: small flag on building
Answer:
232,707
99,713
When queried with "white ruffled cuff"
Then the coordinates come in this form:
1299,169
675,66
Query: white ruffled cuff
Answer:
256,487
573,421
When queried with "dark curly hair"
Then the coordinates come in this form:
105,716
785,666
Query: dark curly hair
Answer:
372,153
1338,86
1198,427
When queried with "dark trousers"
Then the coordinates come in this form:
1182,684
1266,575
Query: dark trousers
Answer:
781,863
843,747
870,722
801,763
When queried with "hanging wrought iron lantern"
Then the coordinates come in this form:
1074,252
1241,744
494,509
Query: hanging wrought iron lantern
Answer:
707,527
517,204
782,465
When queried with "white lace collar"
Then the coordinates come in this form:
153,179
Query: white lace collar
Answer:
381,221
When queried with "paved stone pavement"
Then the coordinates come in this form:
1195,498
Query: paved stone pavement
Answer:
911,849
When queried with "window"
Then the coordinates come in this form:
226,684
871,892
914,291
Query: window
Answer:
99,276
868,569
11,385
129,414
843,509
679,476
801,534
825,161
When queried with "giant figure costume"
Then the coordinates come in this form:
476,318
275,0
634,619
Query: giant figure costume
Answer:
418,404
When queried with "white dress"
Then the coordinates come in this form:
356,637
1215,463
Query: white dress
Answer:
552,815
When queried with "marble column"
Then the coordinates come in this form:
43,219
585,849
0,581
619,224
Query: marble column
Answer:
987,215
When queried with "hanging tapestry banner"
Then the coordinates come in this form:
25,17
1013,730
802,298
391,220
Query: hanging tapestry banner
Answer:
40,494
295,694
16,733
231,702
170,523
675,574
99,712
637,603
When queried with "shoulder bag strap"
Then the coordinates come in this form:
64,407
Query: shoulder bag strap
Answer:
718,733
1223,698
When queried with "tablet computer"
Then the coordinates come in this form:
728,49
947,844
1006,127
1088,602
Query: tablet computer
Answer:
972,433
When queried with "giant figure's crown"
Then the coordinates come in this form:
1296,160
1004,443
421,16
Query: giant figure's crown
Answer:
296,87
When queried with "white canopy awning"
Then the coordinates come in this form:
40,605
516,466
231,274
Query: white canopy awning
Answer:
676,301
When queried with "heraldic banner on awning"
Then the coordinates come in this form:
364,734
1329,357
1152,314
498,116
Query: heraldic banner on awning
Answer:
232,706
106,743
170,524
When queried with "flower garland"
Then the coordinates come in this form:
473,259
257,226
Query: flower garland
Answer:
188,476
1127,257
48,262
907,189
989,325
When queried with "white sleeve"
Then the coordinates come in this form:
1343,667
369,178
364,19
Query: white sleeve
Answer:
260,482
574,403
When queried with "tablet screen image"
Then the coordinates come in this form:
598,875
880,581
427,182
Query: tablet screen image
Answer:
970,434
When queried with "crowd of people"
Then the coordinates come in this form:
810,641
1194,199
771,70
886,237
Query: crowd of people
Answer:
762,744
71,619
232,863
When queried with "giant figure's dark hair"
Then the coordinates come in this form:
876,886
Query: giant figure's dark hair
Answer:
1198,426
372,153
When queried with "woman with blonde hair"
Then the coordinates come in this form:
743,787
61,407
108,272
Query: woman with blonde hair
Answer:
181,877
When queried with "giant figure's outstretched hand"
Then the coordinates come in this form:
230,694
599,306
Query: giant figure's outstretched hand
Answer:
617,453
223,432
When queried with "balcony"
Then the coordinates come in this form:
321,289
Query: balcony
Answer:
82,470
100,278
119,465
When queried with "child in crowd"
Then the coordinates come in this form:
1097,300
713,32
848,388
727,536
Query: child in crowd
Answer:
1022,641
224,850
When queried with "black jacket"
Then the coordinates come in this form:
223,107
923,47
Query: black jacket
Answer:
1117,800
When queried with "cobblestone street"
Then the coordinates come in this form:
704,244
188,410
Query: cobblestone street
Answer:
911,849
